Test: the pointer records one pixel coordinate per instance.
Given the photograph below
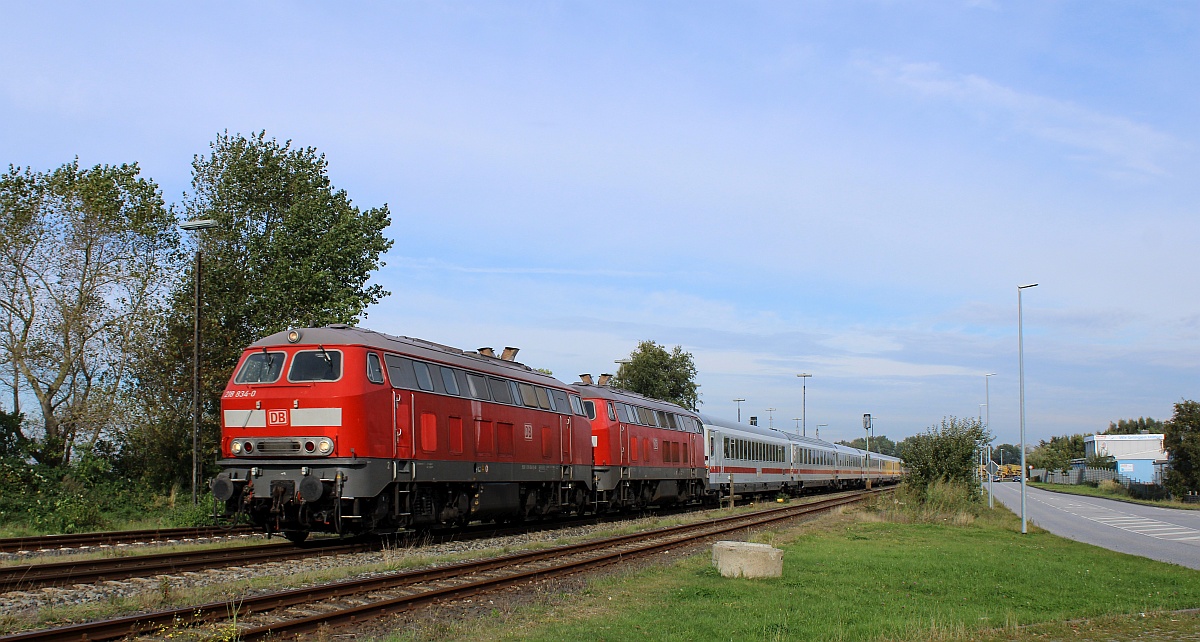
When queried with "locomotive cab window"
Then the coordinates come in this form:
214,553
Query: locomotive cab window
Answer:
374,368
577,405
316,365
261,367
589,408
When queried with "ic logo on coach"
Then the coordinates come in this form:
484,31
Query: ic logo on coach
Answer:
277,417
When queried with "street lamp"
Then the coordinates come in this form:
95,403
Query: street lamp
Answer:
867,430
987,397
771,417
196,225
1021,366
819,430
739,405
804,400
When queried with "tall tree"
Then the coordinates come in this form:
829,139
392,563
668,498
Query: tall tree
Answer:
1006,454
288,249
1057,453
1181,439
654,372
1134,426
83,255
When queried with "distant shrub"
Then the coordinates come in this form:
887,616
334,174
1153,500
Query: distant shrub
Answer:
939,502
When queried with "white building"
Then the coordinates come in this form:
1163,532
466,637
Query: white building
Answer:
1135,454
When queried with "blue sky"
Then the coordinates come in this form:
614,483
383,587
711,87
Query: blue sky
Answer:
848,189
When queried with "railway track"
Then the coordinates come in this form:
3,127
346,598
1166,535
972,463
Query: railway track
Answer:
263,616
28,577
49,542
34,576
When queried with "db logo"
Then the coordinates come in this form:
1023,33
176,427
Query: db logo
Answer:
277,417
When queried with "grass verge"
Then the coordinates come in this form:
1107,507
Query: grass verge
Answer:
861,576
1109,492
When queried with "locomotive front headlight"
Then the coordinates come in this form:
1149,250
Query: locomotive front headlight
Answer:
293,336
236,447
325,446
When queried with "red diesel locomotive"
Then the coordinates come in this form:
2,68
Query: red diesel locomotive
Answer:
645,452
342,429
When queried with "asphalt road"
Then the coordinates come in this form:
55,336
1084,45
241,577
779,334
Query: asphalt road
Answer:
1164,534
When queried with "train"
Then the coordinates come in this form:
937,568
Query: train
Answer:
345,430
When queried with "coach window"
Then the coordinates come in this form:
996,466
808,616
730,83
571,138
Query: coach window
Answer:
478,386
316,365
449,380
424,381
374,368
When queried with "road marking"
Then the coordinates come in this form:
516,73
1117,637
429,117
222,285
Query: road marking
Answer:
1127,522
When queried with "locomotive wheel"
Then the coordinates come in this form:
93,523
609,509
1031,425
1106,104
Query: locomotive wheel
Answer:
295,536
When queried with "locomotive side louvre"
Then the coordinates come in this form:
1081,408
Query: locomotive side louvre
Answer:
645,451
417,433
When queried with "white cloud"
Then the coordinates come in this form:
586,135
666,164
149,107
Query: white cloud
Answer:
1120,146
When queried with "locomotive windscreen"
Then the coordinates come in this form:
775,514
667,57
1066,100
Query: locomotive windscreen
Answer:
316,365
261,367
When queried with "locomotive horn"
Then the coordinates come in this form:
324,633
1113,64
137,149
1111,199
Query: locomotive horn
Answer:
487,352
604,379
586,379
510,353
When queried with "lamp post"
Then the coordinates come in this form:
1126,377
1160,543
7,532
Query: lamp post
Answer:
987,398
771,417
196,225
804,401
1021,366
819,430
867,431
739,406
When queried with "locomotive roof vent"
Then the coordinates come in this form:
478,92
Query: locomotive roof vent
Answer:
337,326
510,353
585,379
487,352
604,378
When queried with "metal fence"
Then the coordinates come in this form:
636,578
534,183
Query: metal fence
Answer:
1094,476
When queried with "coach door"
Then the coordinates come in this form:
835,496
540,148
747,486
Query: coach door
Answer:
403,421
564,433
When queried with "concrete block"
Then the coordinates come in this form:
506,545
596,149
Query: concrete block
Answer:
743,559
